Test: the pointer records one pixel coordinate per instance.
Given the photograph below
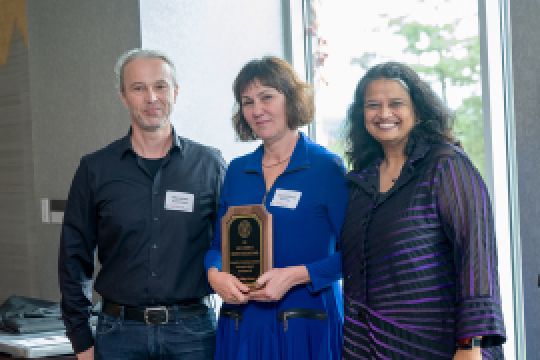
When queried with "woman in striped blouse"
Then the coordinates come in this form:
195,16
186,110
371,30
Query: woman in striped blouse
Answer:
419,252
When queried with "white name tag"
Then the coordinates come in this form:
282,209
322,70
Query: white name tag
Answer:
286,198
181,201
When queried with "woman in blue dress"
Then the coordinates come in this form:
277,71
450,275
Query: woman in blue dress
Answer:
296,310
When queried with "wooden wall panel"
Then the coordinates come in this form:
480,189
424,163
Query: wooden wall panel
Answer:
15,147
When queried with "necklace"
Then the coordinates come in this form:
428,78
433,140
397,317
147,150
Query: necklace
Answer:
276,163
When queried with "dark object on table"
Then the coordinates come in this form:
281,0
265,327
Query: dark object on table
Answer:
24,315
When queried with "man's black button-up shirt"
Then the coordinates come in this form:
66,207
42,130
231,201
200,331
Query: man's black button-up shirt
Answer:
151,232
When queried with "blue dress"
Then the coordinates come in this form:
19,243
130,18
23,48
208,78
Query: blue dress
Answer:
306,235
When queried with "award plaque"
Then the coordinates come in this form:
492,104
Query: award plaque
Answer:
246,242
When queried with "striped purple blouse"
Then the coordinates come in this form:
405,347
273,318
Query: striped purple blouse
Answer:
420,261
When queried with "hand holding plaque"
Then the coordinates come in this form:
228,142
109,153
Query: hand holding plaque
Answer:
246,242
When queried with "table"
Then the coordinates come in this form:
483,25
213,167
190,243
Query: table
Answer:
9,357
37,345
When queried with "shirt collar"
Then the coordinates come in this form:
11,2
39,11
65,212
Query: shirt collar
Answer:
299,158
369,174
125,145
419,151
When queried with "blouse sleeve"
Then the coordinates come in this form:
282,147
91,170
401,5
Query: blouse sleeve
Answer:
466,216
325,271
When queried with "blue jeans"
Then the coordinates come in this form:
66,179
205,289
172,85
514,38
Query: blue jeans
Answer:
189,336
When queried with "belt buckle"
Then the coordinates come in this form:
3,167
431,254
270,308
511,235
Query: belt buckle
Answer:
157,315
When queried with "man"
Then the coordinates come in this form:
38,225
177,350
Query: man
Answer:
148,203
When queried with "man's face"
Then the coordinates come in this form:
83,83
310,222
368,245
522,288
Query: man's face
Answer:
149,93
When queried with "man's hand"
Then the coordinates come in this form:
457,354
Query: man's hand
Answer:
473,354
274,284
231,290
86,355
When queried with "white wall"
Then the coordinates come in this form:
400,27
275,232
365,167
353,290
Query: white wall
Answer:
210,40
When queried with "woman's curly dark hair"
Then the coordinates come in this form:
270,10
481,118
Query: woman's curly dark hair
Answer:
434,118
278,74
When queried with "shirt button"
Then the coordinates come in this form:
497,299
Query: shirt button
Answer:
154,246
154,274
156,219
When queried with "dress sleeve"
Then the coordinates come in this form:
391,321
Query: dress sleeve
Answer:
221,167
325,271
466,216
76,260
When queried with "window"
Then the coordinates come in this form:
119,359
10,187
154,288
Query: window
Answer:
439,39
447,42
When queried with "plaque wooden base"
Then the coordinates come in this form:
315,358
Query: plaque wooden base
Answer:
246,242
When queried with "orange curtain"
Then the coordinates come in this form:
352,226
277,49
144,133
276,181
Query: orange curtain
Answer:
12,16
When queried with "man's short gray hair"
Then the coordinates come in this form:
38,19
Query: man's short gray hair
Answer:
137,53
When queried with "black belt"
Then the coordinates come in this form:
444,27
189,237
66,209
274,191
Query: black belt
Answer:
300,313
283,316
153,315
233,314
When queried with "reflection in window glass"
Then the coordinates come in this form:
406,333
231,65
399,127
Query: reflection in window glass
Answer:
439,39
